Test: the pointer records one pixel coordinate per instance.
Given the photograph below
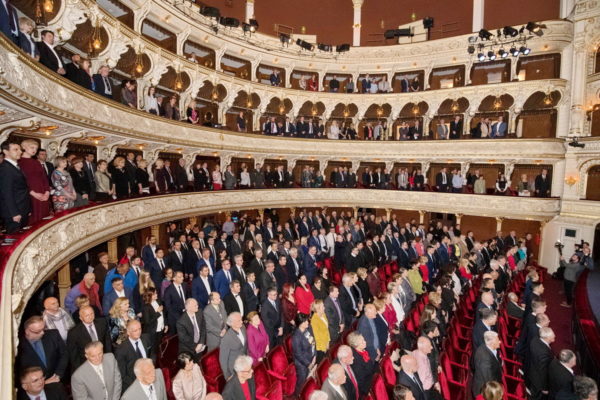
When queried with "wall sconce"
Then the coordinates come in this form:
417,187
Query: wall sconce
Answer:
314,110
379,112
178,82
497,103
415,110
591,111
454,107
346,111
571,180
548,99
138,65
281,107
48,6
214,95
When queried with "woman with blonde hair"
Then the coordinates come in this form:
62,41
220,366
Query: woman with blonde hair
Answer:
142,177
491,390
120,313
120,178
320,327
145,282
191,113
217,178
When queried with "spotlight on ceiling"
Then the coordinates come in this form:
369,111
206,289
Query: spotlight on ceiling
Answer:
575,143
285,39
341,48
229,22
248,28
392,33
524,50
325,47
514,51
254,24
510,31
491,55
502,53
428,23
485,35
305,45
471,49
211,12
535,28
481,57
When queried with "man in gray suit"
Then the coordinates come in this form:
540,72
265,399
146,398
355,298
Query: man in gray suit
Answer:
233,344
215,318
333,385
149,382
442,130
98,378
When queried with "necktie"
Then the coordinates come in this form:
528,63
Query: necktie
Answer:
45,167
151,392
228,276
137,349
180,290
274,305
92,333
337,307
39,349
161,263
196,329
417,382
107,88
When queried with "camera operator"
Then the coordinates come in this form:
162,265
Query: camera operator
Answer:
572,269
585,255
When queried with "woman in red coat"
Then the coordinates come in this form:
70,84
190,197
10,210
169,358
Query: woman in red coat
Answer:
303,295
37,181
290,310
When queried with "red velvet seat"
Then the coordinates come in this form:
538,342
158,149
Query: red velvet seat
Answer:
288,347
267,385
379,390
452,390
453,370
282,369
334,349
387,372
322,369
211,368
168,383
309,386
168,349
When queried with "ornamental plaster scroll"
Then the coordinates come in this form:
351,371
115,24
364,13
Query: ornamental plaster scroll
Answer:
72,13
33,88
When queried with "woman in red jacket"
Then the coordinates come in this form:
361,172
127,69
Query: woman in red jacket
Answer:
303,295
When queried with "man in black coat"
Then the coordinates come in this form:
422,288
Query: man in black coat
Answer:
333,311
349,303
542,184
174,300
249,293
409,377
33,386
560,373
14,193
487,363
541,356
486,323
48,56
271,314
42,348
134,347
233,301
102,83
191,330
88,330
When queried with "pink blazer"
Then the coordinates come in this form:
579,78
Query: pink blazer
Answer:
258,340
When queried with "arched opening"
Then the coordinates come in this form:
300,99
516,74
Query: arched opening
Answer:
246,104
159,35
89,39
199,54
342,114
375,115
409,124
207,101
491,108
441,125
538,118
173,81
592,189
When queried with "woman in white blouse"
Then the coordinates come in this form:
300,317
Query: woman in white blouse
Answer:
302,82
189,383
334,131
150,102
244,178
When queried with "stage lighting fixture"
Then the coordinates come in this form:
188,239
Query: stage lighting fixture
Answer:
535,28
305,45
502,53
510,31
514,52
254,24
525,50
325,47
247,28
285,39
211,12
392,33
471,49
575,143
428,23
491,55
481,57
342,47
485,35
229,22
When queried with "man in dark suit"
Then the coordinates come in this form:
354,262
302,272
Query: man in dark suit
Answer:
235,246
135,346
191,330
271,128
202,287
560,373
540,355
271,314
257,264
156,266
176,257
233,390
90,329
9,21
102,84
117,290
250,293
238,272
234,302
442,180
14,192
333,311
42,348
33,386
310,265
48,167
409,377
48,56
267,279
349,302
367,328
456,128
513,308
293,266
74,73
486,323
174,300
486,362
223,279
542,184
205,259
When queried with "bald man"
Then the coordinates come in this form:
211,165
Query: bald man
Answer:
88,330
334,384
409,377
56,317
88,287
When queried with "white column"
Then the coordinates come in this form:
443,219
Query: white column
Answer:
249,10
558,178
578,83
478,11
566,7
356,26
